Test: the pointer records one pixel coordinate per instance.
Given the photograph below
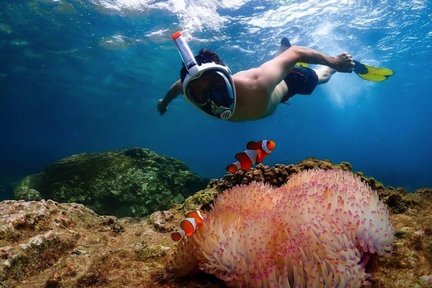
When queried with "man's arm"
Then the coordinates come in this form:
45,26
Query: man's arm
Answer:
173,92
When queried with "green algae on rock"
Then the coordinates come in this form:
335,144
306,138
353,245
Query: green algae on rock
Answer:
132,182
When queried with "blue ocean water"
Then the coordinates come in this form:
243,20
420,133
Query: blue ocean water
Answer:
85,76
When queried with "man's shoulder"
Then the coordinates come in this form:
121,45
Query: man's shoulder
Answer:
246,75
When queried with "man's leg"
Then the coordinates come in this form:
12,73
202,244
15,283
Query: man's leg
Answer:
324,74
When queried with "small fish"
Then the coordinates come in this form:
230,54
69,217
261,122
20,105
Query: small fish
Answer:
255,153
194,219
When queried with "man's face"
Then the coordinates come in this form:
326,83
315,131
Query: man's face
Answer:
210,86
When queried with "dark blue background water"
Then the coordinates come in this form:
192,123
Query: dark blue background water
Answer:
84,76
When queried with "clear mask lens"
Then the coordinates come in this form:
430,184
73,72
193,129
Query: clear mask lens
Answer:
213,90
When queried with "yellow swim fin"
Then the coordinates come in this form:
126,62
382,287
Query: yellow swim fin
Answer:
301,64
371,73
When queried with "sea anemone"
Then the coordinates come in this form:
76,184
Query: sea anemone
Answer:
313,231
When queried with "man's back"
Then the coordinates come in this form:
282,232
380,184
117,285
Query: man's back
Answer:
254,99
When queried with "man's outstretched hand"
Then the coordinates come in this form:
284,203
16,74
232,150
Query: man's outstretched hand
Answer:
161,107
344,63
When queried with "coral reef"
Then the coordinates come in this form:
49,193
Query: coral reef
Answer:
47,244
276,175
317,230
132,182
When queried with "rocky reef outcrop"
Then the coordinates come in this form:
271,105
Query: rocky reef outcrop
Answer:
48,244
132,182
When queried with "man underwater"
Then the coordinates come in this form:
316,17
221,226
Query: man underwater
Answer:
255,93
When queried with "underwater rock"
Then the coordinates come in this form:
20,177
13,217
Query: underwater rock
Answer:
48,244
132,182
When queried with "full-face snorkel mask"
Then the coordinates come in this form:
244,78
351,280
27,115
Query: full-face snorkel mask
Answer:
208,86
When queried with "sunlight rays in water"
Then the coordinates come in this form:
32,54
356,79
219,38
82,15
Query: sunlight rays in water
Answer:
344,91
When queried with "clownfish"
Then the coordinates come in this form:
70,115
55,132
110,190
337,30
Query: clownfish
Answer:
255,153
194,219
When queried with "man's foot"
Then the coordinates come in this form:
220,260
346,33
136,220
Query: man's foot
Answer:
285,42
284,45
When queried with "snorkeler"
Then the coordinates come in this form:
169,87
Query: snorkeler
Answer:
255,93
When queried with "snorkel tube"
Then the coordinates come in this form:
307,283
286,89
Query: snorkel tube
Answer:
184,50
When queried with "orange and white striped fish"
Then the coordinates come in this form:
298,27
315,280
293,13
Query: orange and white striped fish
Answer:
255,152
193,221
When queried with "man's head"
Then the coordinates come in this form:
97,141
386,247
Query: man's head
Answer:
208,85
204,56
